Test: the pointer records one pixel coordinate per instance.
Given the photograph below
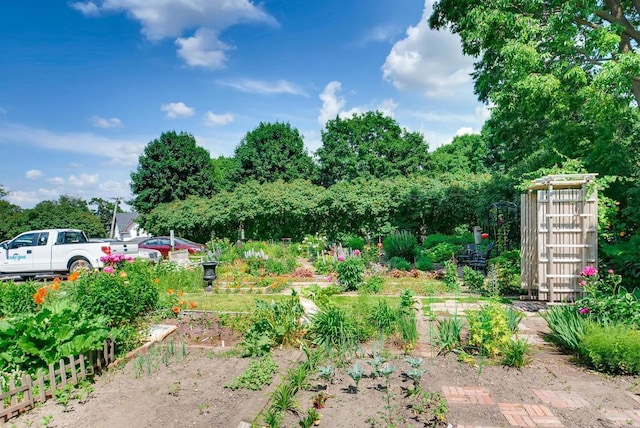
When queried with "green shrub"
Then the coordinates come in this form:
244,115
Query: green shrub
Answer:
350,272
384,317
612,348
280,266
567,326
424,264
449,335
354,243
324,265
441,252
507,270
372,285
17,299
332,329
457,240
488,329
516,353
451,275
399,263
473,279
400,244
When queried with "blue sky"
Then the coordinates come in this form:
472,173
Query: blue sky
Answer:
87,84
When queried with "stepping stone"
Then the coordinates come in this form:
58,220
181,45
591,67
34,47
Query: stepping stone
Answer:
528,415
467,395
560,399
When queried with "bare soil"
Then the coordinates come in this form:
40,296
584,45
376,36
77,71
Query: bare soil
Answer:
177,391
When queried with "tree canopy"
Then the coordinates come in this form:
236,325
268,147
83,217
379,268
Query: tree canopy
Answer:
171,168
273,151
369,145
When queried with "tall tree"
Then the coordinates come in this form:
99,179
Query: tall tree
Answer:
273,151
171,168
465,154
369,145
103,209
10,217
66,212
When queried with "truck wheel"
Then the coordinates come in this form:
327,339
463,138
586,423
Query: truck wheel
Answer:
80,264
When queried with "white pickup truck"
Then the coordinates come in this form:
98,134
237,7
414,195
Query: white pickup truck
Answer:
52,251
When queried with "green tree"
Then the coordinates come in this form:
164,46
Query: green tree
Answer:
10,217
369,145
66,212
225,171
171,168
103,209
273,151
465,154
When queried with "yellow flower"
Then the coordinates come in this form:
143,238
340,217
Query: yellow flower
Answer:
157,280
170,291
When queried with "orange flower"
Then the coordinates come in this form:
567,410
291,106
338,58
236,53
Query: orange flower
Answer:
56,279
157,280
55,285
193,305
40,295
170,291
73,276
175,310
123,274
180,293
182,302
622,233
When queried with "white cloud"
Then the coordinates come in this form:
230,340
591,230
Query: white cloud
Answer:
378,33
465,130
333,104
429,61
203,49
87,8
56,181
213,119
161,19
176,110
265,88
101,122
32,174
82,180
117,151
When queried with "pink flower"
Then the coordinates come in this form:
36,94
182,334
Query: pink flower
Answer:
610,271
589,271
584,311
329,278
108,269
340,258
356,252
583,283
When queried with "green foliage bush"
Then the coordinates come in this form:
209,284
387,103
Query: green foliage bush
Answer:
507,270
61,328
350,272
612,348
280,266
372,284
442,252
324,265
567,326
333,330
384,317
399,263
354,243
424,264
450,275
17,298
489,331
400,244
458,240
473,279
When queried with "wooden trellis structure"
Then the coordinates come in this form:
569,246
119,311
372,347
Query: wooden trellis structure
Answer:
559,235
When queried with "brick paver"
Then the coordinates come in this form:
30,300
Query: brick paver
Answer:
623,417
528,415
467,394
561,399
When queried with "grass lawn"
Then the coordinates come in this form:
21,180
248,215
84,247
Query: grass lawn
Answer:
230,302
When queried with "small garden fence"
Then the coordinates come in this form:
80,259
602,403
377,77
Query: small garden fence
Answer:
68,371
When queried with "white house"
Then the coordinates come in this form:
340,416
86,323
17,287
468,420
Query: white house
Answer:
127,228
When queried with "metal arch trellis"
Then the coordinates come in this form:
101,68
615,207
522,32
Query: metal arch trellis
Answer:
503,225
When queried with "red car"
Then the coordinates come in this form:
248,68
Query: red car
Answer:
163,244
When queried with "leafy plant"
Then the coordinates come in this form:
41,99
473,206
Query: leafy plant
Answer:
516,353
376,363
258,374
16,299
408,327
513,318
488,329
350,272
372,284
424,263
449,334
415,374
332,329
401,244
567,326
283,399
612,348
399,263
355,372
383,317
441,252
431,405
327,373
451,275
473,279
